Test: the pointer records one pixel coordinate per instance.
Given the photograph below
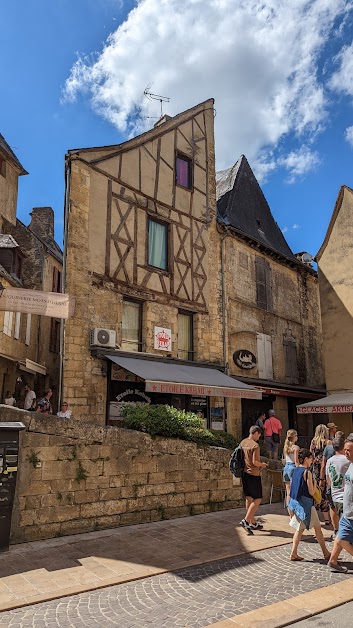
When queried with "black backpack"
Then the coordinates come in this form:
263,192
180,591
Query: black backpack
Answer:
237,462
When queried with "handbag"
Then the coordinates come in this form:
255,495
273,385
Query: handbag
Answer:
317,497
275,437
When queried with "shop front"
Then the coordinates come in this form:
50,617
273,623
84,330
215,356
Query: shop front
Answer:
339,404
194,388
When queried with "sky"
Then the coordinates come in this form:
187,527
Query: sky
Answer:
281,73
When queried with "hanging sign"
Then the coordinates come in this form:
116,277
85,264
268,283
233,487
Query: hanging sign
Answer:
244,359
53,304
163,339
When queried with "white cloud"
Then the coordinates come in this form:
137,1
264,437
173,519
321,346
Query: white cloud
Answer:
299,163
285,229
349,135
342,80
257,58
295,226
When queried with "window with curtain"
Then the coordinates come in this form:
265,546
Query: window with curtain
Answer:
185,336
131,326
157,244
183,171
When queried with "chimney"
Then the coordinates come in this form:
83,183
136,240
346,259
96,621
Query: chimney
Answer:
42,222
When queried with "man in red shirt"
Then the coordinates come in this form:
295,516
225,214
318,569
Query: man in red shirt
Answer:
272,432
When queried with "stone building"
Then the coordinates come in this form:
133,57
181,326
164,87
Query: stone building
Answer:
335,264
142,258
29,258
271,303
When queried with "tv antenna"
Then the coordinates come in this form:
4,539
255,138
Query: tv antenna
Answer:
151,96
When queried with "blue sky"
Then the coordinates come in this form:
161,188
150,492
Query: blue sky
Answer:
281,77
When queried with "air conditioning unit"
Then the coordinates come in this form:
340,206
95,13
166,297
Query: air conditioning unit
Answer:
103,337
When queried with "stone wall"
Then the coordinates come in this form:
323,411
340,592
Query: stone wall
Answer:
89,478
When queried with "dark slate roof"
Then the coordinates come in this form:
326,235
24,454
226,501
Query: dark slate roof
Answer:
241,204
9,153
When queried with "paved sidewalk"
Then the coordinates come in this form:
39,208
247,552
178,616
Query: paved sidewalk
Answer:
255,590
45,570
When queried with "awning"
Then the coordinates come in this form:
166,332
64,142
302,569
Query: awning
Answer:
180,379
335,404
32,367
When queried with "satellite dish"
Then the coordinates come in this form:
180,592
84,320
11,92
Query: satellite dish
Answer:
307,258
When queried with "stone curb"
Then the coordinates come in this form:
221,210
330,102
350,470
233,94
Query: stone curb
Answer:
294,609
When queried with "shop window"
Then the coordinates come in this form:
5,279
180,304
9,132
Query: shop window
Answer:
264,356
132,326
183,171
157,244
263,283
8,318
185,336
17,330
54,344
56,280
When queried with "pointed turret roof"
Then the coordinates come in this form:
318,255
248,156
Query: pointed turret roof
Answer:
242,205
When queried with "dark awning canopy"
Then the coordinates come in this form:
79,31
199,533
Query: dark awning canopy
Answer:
335,404
181,379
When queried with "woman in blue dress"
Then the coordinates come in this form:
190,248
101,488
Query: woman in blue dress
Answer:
301,504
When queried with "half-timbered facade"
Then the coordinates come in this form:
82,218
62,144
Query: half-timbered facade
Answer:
142,260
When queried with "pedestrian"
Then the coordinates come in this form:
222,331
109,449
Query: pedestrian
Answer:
301,504
328,453
332,430
64,413
260,420
44,405
317,447
251,479
9,399
344,537
273,433
30,398
336,468
290,452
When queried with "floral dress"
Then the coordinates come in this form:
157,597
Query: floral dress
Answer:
318,455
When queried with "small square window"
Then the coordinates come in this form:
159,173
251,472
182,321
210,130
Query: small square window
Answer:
183,171
157,244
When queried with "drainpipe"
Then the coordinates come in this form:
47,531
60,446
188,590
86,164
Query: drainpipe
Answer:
62,323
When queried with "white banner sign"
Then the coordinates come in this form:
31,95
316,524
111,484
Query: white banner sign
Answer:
163,339
324,409
51,304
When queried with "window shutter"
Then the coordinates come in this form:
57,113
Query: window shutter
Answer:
291,360
17,325
264,356
263,283
268,357
28,329
8,317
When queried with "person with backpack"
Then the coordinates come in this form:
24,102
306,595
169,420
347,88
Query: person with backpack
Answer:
251,478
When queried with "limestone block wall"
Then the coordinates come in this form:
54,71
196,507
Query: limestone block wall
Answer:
88,478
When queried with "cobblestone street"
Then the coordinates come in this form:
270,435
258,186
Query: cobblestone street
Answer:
193,597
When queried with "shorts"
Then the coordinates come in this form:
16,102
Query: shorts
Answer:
287,472
300,525
338,507
252,486
271,446
345,530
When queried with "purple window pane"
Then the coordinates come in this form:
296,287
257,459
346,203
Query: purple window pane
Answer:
182,167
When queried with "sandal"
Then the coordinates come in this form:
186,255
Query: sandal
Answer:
296,558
